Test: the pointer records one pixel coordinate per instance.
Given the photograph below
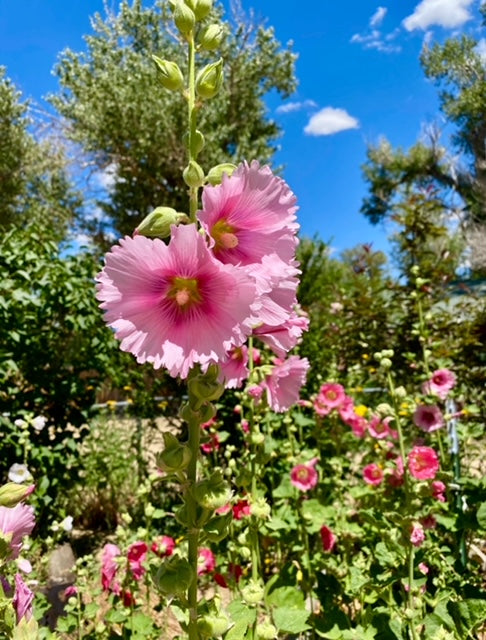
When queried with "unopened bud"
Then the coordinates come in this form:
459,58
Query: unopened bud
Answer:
169,75
252,593
193,174
213,492
215,175
12,493
209,80
202,8
211,37
213,625
266,631
175,456
386,363
174,576
260,508
158,223
197,142
184,18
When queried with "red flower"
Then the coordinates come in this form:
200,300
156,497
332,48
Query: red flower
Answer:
137,552
328,538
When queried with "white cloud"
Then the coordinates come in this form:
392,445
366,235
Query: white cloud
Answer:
481,49
290,107
444,13
330,120
377,18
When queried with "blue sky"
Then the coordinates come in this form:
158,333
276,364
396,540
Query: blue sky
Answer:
359,79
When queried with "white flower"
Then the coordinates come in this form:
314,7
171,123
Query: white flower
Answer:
67,523
19,473
20,423
24,565
38,423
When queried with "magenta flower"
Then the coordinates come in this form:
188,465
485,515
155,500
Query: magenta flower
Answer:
331,396
241,509
17,521
379,428
417,534
284,383
163,546
250,215
346,410
174,305
109,568
136,555
358,424
441,382
423,463
428,418
206,561
438,489
373,474
328,538
22,599
304,476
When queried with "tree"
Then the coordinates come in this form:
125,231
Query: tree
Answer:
124,121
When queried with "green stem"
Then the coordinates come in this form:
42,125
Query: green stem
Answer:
255,552
193,533
192,117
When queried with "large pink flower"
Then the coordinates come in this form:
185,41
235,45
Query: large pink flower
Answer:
109,568
174,305
441,382
284,383
19,522
423,463
250,215
136,555
235,370
304,476
22,600
428,417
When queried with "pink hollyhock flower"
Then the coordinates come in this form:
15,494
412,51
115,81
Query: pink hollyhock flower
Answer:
22,599
17,521
281,339
284,383
174,305
441,382
255,391
304,476
328,538
417,535
423,568
423,463
163,546
128,598
379,428
331,396
373,474
109,568
70,591
206,561
250,215
222,510
241,509
359,425
235,369
438,489
245,426
428,418
428,522
24,565
395,479
346,410
212,444
136,555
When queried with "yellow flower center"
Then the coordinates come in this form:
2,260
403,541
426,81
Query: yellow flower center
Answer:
185,292
224,235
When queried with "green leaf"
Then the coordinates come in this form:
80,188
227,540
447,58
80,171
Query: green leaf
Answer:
239,611
288,597
481,515
237,632
290,620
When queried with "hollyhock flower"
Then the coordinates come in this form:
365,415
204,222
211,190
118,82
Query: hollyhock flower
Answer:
346,409
331,395
428,522
24,565
441,382
67,523
373,474
423,463
226,508
423,568
428,418
206,561
379,428
438,489
358,424
212,444
38,423
245,426
241,509
15,523
163,546
19,473
250,215
336,307
70,591
174,305
22,599
281,339
136,555
128,598
109,568
395,479
304,476
328,538
234,572
235,369
255,391
417,535
283,384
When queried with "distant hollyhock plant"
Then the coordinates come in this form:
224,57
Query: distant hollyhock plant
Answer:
428,418
331,396
417,534
305,476
136,556
373,474
423,463
441,382
15,523
163,546
283,384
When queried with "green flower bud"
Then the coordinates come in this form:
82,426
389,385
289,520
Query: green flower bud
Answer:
202,8
170,75
174,576
386,363
175,456
217,528
189,519
26,630
209,80
260,508
212,625
211,37
257,438
215,175
13,493
184,18
400,392
204,387
197,142
245,552
253,592
158,223
265,631
193,174
214,492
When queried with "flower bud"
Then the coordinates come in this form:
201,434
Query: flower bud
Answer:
209,80
184,18
213,625
170,75
212,493
386,363
202,8
211,37
193,174
400,392
174,576
252,593
217,528
175,456
197,142
158,223
215,175
265,631
13,493
204,387
260,508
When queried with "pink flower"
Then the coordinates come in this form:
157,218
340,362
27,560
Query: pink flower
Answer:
428,417
212,444
250,215
284,383
423,568
206,562
331,396
395,479
373,474
70,591
136,554
109,568
423,463
163,546
22,599
346,410
441,382
304,476
379,428
19,522
328,538
417,535
284,337
241,509
235,369
174,305
428,522
438,489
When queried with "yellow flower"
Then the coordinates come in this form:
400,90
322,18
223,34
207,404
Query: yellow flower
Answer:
361,410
